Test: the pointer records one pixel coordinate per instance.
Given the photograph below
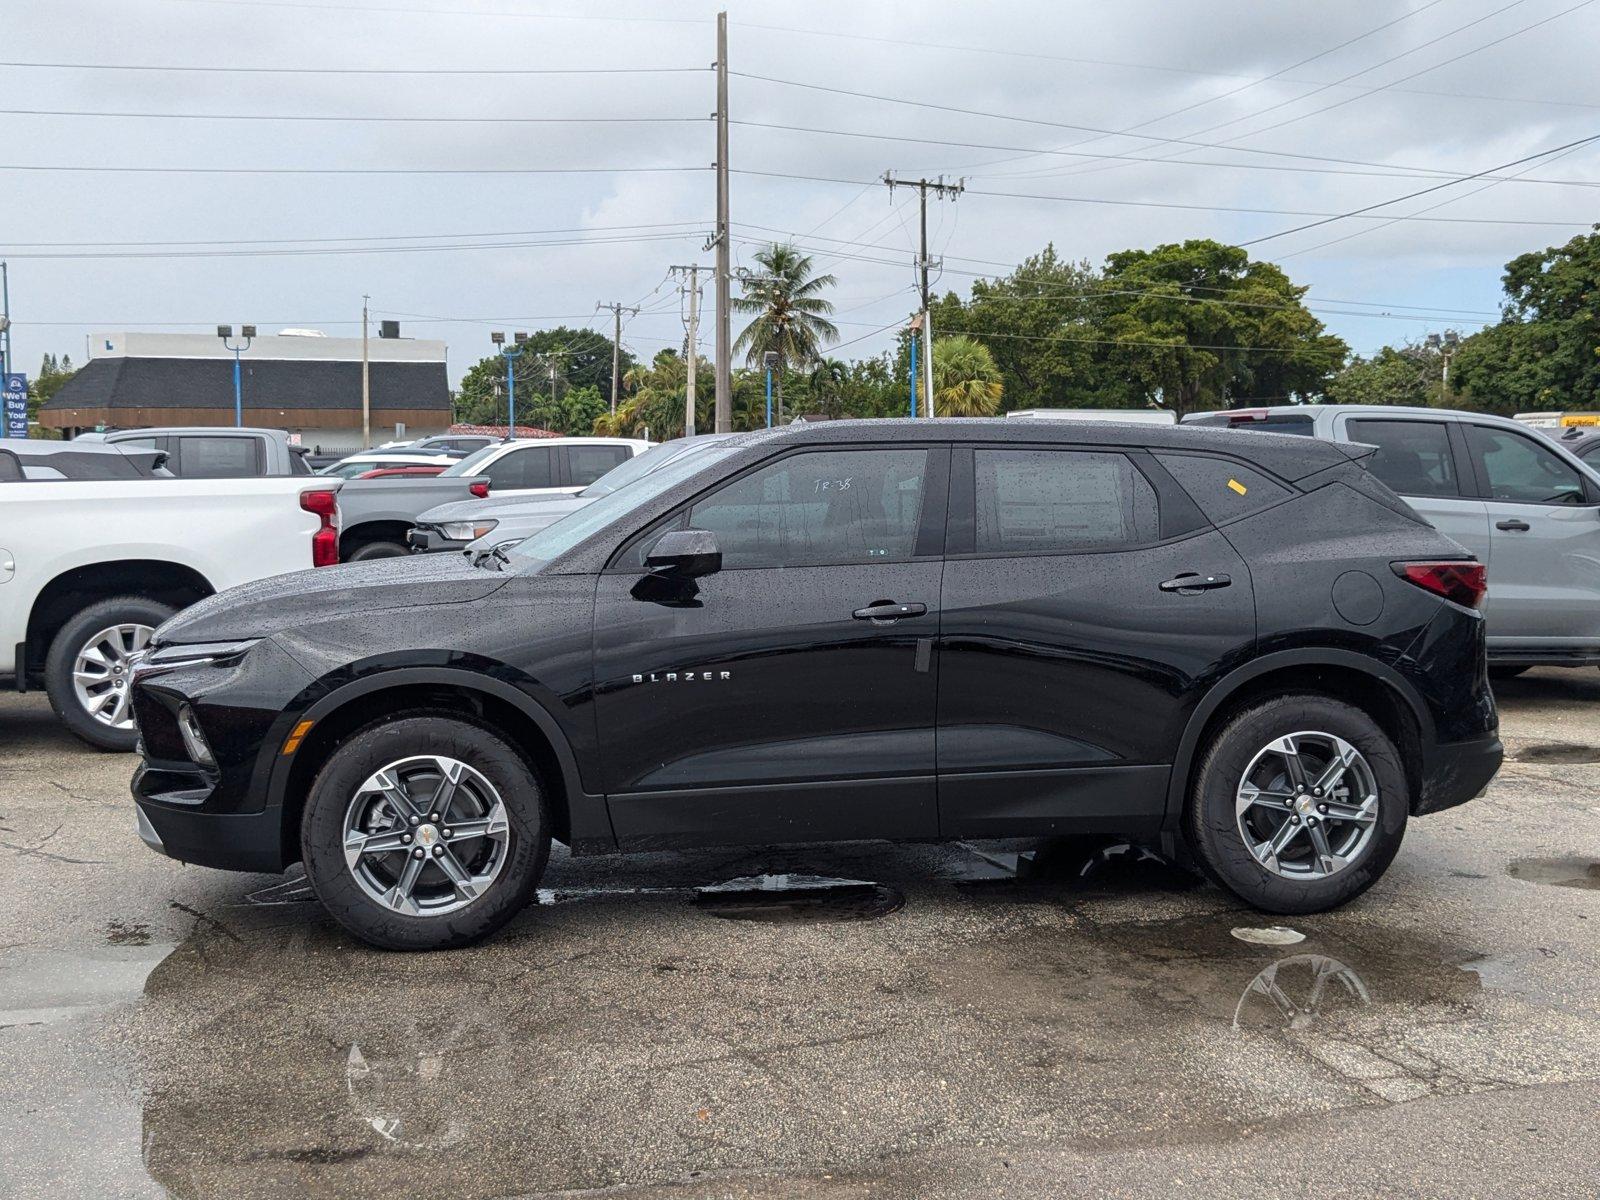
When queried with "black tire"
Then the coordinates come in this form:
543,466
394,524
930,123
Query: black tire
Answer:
371,550
407,736
1506,672
63,653
1212,825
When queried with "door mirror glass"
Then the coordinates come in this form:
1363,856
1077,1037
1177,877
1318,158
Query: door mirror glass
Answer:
685,554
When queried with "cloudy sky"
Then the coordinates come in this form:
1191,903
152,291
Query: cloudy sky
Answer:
481,164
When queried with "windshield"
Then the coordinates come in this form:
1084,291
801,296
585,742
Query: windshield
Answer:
555,540
650,460
471,463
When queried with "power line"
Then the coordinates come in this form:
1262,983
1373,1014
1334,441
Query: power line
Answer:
354,119
1365,211
441,12
130,170
390,237
297,252
206,69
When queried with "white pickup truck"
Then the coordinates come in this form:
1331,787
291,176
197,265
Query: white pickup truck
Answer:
94,554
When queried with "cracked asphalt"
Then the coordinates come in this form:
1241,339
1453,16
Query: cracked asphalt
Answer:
1079,1023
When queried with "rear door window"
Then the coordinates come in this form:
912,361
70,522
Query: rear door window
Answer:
1225,490
585,464
10,467
218,457
1060,502
1413,458
1515,467
526,468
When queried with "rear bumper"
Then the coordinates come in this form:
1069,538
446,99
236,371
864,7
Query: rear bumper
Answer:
1457,772
171,823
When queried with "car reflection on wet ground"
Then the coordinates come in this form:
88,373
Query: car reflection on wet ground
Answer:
1076,1018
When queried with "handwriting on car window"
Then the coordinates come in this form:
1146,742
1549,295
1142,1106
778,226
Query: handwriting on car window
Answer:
833,485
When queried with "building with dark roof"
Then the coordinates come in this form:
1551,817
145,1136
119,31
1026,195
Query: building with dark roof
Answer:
302,382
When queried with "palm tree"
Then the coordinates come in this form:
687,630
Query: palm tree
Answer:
790,317
966,383
827,382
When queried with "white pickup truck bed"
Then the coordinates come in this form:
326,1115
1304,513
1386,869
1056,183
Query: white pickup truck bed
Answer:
67,547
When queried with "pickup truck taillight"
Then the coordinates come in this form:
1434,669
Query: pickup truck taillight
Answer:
325,541
1464,583
479,489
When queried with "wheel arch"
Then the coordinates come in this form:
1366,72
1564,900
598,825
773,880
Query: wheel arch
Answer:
73,590
1374,687
382,529
577,817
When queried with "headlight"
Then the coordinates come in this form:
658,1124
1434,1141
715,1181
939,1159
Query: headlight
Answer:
467,531
221,653
194,738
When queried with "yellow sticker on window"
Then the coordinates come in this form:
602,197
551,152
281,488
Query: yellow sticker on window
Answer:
1237,486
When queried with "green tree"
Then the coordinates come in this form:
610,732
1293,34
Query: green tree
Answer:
1544,353
966,382
790,314
582,359
1198,325
826,385
53,372
1408,375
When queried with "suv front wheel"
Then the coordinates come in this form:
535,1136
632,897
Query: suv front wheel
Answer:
424,833
1299,804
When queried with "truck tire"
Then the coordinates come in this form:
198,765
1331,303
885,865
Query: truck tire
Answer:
86,669
425,832
378,549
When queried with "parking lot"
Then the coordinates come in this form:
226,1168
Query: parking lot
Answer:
1080,1021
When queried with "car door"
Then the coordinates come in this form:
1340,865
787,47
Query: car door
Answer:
1084,598
523,469
1544,581
1427,466
789,696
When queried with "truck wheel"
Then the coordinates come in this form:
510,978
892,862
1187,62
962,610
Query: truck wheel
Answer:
425,833
1299,804
377,550
86,669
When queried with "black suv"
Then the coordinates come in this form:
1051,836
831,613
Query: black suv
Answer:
880,629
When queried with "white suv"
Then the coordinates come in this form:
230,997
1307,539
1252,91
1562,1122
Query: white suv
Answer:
550,466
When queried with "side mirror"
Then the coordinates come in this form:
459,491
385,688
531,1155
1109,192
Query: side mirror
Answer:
685,554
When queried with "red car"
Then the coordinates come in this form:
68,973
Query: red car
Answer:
391,472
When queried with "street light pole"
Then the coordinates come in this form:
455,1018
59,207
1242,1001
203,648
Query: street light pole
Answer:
510,354
248,333
769,360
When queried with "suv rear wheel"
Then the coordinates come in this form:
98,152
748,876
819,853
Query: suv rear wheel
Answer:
424,833
86,670
1299,804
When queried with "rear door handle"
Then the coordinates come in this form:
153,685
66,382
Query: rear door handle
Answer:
1514,525
888,610
1191,582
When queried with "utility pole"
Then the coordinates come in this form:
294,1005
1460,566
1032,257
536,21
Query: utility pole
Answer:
941,191
724,421
691,342
366,381
616,309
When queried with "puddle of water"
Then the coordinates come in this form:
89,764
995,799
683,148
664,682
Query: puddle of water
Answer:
42,987
1086,865
798,898
1557,752
1557,872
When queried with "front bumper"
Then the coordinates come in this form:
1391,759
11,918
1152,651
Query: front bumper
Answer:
1456,772
172,823
431,541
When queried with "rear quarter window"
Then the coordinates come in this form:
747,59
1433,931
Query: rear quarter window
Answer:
1223,489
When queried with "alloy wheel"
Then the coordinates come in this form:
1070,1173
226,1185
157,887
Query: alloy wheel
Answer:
1307,805
426,836
101,669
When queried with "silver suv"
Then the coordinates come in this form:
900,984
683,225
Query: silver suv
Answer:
1525,505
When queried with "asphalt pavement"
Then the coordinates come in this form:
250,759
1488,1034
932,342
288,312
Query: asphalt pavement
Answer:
862,1021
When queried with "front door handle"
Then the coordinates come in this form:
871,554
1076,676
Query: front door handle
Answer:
888,610
1191,583
1513,525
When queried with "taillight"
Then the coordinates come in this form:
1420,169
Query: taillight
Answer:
1462,583
325,541
1240,415
480,489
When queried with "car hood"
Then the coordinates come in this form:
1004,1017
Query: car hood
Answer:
506,506
268,606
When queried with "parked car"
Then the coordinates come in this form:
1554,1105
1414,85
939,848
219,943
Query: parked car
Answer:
458,445
502,519
1583,441
218,452
356,465
548,466
98,547
401,473
846,630
1526,506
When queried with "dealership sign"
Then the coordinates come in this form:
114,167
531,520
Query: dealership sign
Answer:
16,406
